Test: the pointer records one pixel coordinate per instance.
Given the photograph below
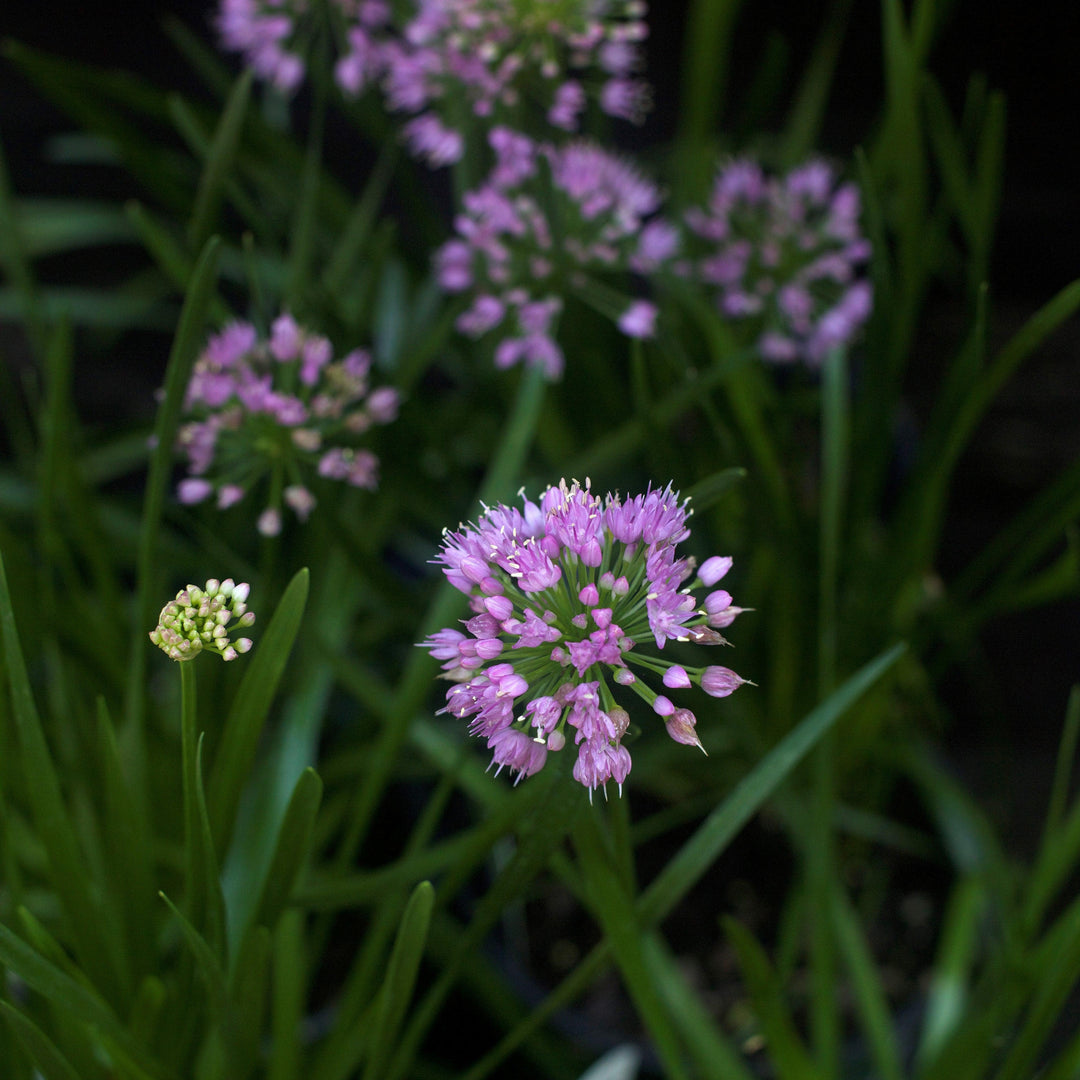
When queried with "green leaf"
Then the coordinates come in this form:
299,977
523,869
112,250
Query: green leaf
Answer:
713,1056
88,923
1057,968
292,850
724,823
244,724
289,979
949,994
127,850
786,1050
50,1062
222,152
56,226
870,999
613,909
397,988
188,340
706,493
207,963
78,1001
247,1004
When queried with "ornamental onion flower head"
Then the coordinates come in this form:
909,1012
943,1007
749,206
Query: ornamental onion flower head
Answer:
786,257
203,618
498,56
569,596
274,38
515,267
282,407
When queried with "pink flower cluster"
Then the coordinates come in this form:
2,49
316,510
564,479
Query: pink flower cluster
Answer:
545,220
495,56
786,256
283,408
273,36
563,593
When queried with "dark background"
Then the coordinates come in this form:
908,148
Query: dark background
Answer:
1021,675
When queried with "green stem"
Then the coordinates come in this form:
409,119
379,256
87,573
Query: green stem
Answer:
415,683
188,750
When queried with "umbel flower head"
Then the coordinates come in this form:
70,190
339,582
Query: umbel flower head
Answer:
203,618
549,220
498,56
786,257
274,37
569,598
283,408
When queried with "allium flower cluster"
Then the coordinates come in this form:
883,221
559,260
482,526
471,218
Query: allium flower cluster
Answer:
200,619
274,37
283,407
567,596
496,55
545,222
786,255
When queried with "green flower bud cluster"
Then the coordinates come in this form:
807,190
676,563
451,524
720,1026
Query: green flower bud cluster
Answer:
202,619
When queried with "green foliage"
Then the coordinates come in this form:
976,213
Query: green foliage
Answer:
291,866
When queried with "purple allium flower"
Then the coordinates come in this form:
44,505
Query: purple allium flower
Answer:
199,619
273,37
281,407
566,595
507,256
786,256
500,56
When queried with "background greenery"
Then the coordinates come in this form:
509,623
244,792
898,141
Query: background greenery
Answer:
298,870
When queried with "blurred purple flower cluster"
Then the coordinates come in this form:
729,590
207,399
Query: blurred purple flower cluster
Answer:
547,219
563,593
786,255
283,407
497,58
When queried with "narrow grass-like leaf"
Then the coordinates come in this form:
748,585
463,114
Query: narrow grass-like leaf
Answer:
542,832
291,852
247,1004
713,1057
206,961
98,99
614,911
1057,967
240,736
127,849
397,987
56,226
870,999
186,344
78,1001
51,1064
288,981
86,306
210,192
706,493
87,921
786,1050
1030,336
357,231
707,44
164,246
15,259
949,993
718,829
808,107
